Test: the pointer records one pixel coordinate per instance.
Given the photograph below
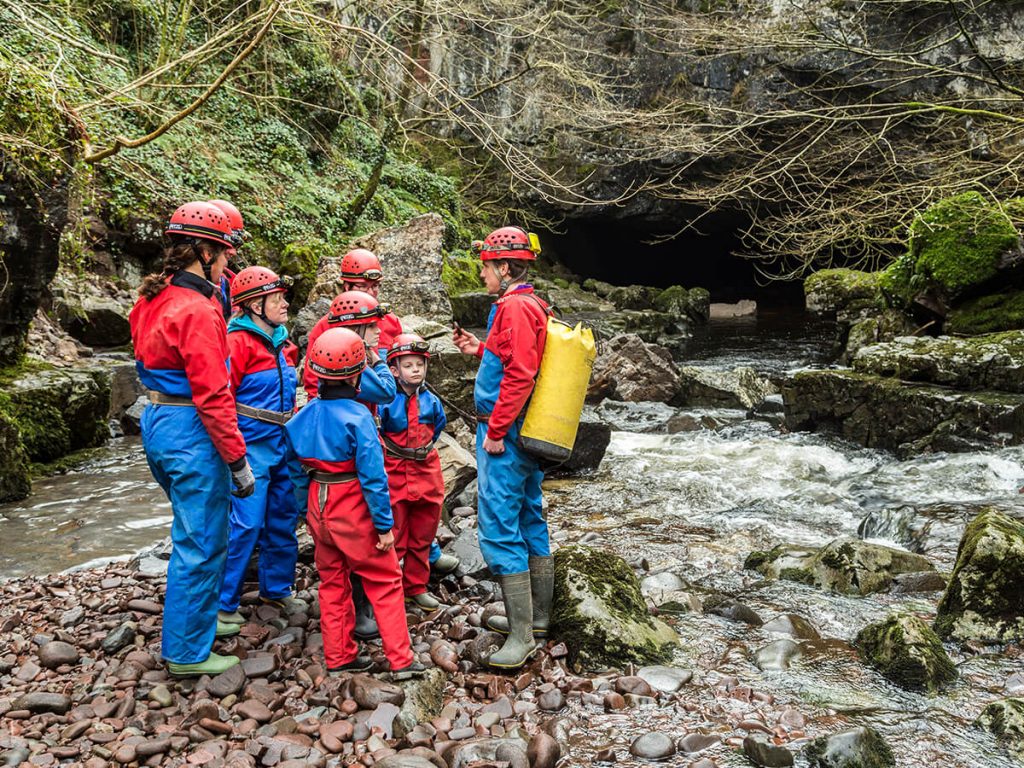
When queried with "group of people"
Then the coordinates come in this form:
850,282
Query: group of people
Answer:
241,463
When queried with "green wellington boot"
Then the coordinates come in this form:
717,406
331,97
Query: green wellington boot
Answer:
519,645
227,630
542,587
212,666
230,618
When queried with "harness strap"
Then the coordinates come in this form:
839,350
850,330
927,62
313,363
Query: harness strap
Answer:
159,398
405,452
264,415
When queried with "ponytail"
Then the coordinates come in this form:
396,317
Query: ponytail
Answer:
178,255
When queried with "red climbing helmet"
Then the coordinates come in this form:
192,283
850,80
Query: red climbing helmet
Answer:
234,219
201,220
361,264
254,282
356,308
408,344
337,353
508,243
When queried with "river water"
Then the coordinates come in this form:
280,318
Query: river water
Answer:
693,503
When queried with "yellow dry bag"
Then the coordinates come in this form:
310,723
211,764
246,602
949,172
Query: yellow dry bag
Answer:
553,415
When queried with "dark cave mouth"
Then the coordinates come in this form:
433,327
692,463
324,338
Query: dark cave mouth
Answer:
620,252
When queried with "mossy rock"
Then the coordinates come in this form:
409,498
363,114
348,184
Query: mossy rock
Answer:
600,614
460,273
908,652
15,472
988,314
990,362
886,325
1004,719
856,748
847,566
694,305
299,260
955,247
984,600
847,294
635,297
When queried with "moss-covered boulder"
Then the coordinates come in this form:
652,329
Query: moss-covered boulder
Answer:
846,294
600,614
885,325
637,297
990,362
985,597
956,248
908,418
848,566
692,305
1004,719
988,314
856,748
15,471
907,651
741,387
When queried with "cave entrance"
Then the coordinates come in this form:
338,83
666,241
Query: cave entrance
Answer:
619,251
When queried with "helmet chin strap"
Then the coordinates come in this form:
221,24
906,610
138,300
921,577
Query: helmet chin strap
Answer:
262,314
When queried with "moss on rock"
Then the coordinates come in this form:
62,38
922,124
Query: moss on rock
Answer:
856,748
599,611
988,314
460,273
1004,719
956,244
15,475
908,652
848,294
984,600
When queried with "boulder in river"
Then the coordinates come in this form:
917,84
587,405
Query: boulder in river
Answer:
907,651
739,388
984,600
1004,719
600,614
846,294
845,565
629,368
856,748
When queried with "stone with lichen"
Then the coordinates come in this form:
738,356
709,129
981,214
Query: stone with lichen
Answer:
600,614
907,651
984,600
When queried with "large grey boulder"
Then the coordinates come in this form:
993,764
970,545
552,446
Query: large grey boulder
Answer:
411,256
458,466
737,388
629,368
845,294
1004,719
600,614
845,565
910,419
985,599
907,651
856,748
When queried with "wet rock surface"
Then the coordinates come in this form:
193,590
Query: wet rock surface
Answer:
907,651
856,748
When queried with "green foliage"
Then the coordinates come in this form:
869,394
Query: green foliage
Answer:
27,112
461,274
299,260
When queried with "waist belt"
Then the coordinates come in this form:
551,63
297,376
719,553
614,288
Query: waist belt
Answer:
483,418
331,478
159,398
404,452
262,414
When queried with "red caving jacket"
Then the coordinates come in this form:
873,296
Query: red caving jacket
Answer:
413,422
181,349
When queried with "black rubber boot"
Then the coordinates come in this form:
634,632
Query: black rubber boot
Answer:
366,624
519,645
542,587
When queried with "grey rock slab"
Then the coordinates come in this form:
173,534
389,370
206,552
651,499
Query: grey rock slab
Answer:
767,755
227,683
119,637
41,701
55,653
665,679
777,655
653,746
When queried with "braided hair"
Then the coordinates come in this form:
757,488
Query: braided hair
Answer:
179,255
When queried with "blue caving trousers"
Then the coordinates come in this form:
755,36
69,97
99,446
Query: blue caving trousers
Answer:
510,519
198,483
267,519
435,552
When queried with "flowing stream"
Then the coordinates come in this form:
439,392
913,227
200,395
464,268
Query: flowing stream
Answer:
692,503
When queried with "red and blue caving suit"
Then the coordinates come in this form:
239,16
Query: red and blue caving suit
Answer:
336,434
181,351
262,376
413,423
376,385
511,523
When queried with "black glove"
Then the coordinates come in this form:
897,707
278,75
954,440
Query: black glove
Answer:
244,480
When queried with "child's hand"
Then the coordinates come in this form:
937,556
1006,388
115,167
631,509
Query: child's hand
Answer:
385,541
372,358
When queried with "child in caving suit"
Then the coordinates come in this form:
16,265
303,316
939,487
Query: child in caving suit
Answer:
409,425
348,509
